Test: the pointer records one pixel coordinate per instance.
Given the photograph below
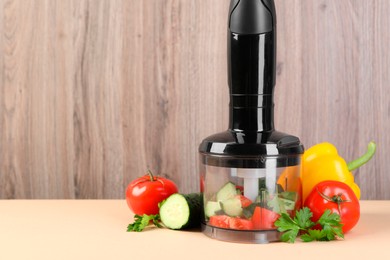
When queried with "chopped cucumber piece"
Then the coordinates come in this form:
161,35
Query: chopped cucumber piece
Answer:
181,211
228,191
248,211
232,207
211,208
281,205
289,195
288,204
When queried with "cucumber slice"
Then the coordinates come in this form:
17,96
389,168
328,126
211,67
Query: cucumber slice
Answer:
248,211
281,205
181,211
228,191
211,208
288,204
232,207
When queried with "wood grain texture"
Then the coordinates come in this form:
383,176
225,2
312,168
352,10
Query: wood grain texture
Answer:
93,92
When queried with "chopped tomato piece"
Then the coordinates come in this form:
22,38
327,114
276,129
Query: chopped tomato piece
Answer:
245,202
241,224
221,221
240,188
264,219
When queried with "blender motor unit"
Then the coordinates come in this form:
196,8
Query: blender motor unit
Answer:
250,174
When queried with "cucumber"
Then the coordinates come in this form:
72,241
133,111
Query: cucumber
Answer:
288,204
232,207
182,211
248,211
211,208
228,191
280,205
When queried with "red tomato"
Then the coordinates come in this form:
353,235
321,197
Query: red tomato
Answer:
245,202
240,223
240,188
223,221
339,198
264,219
144,193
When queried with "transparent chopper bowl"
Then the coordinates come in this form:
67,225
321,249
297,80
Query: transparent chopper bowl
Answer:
272,190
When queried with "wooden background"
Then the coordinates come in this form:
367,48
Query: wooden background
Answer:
93,92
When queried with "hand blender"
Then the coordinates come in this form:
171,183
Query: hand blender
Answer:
250,174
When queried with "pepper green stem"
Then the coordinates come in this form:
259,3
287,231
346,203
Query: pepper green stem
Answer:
363,159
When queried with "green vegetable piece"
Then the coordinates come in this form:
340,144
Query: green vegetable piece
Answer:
182,211
290,235
277,205
211,208
287,225
289,195
363,159
141,222
280,205
228,191
179,211
313,235
330,223
303,218
232,207
248,211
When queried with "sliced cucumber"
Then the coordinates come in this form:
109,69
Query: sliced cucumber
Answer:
281,205
211,208
289,195
248,211
288,204
232,207
228,191
181,211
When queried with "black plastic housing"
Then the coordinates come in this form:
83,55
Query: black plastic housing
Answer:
251,135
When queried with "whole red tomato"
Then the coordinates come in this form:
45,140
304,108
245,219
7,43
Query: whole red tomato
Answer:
339,198
144,193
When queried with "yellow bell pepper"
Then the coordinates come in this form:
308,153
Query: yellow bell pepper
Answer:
322,162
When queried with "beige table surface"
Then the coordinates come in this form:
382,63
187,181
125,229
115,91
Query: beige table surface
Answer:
96,229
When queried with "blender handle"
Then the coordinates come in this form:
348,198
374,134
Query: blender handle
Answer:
251,65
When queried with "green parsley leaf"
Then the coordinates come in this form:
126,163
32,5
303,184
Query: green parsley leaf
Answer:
303,218
141,222
312,235
290,235
330,218
330,223
285,223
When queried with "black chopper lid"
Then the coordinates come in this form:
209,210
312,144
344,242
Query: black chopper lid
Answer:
251,149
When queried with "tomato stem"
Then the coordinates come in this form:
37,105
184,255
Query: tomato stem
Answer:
336,199
150,175
363,159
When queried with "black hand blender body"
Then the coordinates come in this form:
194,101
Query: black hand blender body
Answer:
250,174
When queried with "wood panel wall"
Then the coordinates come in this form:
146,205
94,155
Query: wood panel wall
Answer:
94,92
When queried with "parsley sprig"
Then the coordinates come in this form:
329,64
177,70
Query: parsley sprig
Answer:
141,222
331,227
